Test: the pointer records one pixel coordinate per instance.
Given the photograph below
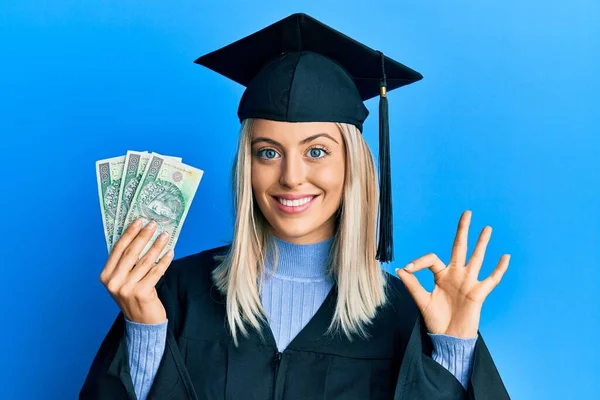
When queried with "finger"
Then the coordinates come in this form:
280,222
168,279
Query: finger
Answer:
431,261
147,261
418,293
488,284
135,248
132,253
115,255
155,273
459,248
478,255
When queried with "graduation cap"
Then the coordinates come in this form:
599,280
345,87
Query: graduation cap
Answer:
301,70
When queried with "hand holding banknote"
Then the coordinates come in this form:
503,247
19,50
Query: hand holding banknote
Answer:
145,198
131,282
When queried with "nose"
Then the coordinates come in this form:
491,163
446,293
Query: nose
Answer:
293,172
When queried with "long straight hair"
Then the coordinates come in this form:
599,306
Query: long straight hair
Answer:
358,274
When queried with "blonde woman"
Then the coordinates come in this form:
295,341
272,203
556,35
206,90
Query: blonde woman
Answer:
298,306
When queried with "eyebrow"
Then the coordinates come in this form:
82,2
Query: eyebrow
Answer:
303,141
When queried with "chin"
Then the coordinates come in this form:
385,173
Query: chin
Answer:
293,230
301,232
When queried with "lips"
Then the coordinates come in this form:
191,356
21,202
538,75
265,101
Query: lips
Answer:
294,204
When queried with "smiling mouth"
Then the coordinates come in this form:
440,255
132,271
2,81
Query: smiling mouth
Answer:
294,203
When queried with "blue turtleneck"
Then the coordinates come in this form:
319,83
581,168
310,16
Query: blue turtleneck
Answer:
290,297
294,293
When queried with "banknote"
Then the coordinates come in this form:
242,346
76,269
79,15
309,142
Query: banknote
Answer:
134,167
164,195
108,174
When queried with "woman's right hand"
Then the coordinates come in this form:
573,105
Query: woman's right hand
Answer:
132,283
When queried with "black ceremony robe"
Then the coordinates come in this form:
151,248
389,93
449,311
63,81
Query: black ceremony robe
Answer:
201,362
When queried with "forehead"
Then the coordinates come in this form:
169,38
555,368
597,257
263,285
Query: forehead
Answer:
293,131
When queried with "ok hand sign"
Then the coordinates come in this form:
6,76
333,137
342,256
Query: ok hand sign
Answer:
454,306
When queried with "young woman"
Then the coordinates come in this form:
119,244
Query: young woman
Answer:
298,307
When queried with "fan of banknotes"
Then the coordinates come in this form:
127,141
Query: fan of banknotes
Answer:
149,186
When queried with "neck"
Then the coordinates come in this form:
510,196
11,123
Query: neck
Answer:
309,261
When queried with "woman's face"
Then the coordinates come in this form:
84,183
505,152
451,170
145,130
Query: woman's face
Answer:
298,177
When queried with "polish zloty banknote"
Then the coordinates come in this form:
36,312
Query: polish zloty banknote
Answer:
108,175
164,194
134,167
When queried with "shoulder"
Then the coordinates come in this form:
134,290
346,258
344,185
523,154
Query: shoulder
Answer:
193,273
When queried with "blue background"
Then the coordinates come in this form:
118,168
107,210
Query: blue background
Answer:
505,123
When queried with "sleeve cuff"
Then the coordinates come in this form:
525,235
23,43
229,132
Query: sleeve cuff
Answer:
146,345
455,354
130,325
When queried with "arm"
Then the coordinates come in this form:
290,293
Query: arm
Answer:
110,378
452,308
146,346
421,377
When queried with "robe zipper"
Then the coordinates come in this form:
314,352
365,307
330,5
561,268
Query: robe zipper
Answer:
275,364
276,361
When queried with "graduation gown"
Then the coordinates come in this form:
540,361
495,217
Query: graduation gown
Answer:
201,362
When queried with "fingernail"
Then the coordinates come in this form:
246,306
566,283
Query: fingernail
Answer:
409,266
398,274
151,225
163,236
137,222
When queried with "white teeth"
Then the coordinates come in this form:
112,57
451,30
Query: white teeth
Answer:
295,203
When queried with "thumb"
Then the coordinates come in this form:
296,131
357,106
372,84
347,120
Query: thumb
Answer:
418,292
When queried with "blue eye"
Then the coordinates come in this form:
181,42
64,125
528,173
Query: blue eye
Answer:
269,154
317,152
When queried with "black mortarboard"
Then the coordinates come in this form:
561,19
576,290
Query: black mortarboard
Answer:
301,70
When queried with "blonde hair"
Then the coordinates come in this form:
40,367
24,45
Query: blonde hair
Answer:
358,274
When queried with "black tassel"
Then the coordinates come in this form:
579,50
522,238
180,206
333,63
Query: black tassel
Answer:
385,249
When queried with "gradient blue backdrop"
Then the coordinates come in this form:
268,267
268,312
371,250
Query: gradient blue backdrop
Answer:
505,123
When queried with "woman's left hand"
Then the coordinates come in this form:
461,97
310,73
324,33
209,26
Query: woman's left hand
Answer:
454,306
